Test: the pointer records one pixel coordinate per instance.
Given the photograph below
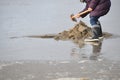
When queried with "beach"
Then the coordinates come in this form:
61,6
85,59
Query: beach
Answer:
34,58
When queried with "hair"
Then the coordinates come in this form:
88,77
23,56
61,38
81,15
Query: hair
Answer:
82,1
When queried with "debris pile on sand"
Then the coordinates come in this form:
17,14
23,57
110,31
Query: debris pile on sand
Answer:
79,31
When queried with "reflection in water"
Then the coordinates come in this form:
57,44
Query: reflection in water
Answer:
96,51
83,52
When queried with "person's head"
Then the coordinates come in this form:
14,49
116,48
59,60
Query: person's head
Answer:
82,1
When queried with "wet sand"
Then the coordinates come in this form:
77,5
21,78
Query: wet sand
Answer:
81,66
60,70
32,45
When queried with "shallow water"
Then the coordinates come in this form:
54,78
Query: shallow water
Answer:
21,18
35,17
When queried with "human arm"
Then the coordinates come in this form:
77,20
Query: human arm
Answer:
82,13
90,6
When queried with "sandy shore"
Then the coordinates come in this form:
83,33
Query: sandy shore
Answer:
81,67
60,70
38,41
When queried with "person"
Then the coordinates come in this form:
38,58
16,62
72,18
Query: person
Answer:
96,9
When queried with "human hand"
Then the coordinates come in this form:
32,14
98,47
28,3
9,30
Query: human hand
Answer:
76,16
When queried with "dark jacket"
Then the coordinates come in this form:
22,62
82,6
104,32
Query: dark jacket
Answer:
100,7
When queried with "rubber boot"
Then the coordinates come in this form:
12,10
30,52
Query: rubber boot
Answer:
95,34
100,34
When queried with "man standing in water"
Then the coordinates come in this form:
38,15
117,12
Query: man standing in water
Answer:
96,9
